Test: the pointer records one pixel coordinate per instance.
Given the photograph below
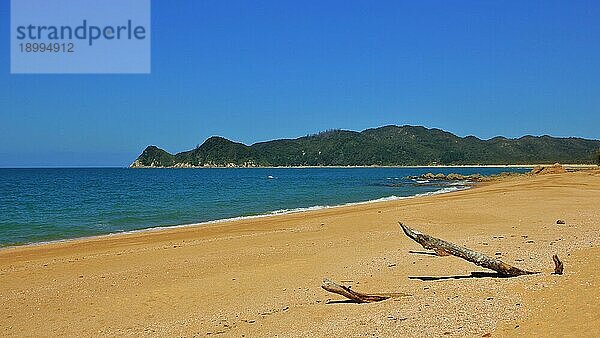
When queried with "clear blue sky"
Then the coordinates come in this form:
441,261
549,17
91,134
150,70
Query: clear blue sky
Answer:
259,70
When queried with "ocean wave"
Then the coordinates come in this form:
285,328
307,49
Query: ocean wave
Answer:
460,183
321,207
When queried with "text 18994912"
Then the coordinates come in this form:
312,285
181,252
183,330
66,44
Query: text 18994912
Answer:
40,47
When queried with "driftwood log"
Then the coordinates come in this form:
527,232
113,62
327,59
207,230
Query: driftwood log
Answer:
443,248
358,297
558,265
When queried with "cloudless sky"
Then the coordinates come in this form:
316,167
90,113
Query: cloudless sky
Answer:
258,70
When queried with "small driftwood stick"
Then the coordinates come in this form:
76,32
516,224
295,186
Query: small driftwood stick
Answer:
443,248
358,297
558,265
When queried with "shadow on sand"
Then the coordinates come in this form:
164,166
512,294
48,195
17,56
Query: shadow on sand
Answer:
475,274
346,301
423,253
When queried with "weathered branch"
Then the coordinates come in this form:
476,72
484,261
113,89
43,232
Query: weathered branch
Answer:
558,265
443,248
358,297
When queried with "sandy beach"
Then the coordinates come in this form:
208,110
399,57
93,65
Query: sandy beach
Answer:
261,277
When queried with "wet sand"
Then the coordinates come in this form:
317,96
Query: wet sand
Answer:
261,277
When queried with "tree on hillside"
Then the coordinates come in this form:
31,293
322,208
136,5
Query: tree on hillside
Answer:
598,157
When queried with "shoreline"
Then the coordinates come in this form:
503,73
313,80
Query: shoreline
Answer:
275,213
262,277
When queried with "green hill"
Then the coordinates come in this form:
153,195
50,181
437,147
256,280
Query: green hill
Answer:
384,146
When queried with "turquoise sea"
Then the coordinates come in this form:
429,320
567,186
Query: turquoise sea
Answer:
38,205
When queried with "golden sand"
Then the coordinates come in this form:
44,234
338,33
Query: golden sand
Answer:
261,277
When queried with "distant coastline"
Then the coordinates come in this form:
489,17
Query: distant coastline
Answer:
388,146
567,166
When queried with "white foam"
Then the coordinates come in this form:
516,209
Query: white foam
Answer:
320,207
